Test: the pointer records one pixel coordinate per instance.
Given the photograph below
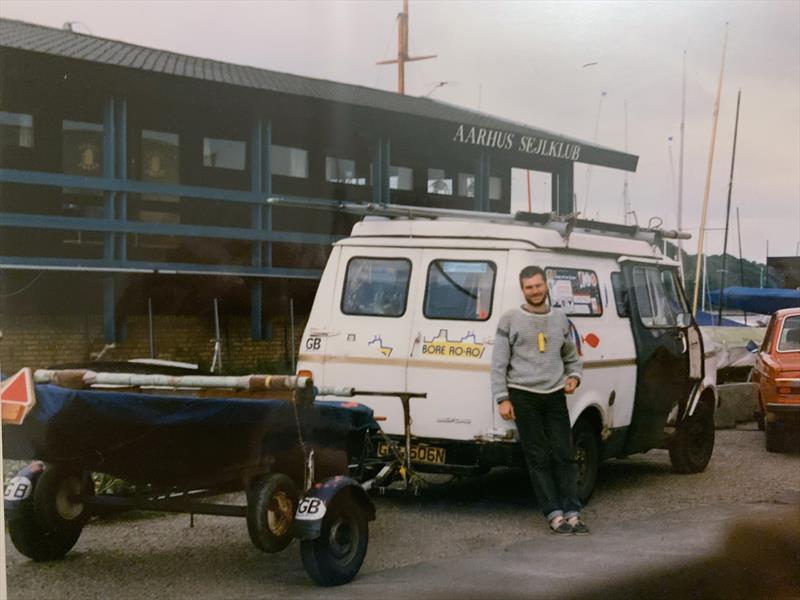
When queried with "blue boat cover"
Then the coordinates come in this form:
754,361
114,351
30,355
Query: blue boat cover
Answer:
170,440
764,301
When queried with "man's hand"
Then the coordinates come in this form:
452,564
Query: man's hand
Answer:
570,385
506,410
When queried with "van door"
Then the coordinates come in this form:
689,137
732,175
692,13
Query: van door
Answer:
451,342
367,337
669,351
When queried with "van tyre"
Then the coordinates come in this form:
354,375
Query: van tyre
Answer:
587,455
335,557
271,504
691,448
52,518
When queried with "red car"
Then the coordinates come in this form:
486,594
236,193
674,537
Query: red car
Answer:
777,372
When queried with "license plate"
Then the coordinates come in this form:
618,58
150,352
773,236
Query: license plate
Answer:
419,454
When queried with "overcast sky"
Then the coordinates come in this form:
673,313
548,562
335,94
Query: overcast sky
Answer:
524,61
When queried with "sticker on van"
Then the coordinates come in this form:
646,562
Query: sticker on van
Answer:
466,347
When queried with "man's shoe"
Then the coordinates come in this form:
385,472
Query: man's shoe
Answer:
560,525
577,526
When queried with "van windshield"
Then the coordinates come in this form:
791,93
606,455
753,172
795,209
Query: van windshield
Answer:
658,298
376,287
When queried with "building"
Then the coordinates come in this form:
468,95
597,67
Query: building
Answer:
133,182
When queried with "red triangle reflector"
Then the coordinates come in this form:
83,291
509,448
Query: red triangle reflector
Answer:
17,397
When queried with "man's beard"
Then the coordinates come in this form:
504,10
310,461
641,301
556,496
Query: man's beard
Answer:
537,304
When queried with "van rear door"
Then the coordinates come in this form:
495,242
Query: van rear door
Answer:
451,342
367,342
669,350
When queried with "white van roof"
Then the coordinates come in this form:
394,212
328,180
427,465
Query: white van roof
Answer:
486,234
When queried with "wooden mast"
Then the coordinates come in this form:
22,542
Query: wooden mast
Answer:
402,50
702,234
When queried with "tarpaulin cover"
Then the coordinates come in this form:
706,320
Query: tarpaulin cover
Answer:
758,300
170,439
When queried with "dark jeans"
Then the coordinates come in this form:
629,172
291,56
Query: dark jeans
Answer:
546,436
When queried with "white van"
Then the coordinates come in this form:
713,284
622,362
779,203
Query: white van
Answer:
411,300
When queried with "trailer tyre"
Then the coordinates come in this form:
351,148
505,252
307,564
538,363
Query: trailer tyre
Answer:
587,455
693,444
51,521
271,504
335,557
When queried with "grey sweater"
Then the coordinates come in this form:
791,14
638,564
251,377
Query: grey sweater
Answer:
519,362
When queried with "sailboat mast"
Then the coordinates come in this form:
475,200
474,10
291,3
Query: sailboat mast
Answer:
728,210
702,234
679,224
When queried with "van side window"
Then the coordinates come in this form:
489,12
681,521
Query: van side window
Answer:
460,290
620,294
376,287
658,298
575,291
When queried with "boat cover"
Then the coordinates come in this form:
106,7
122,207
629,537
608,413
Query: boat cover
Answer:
170,439
757,300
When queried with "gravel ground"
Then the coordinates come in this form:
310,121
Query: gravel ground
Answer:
135,557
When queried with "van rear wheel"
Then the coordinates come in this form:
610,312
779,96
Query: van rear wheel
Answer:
691,448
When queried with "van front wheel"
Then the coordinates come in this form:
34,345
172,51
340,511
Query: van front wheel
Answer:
691,448
587,455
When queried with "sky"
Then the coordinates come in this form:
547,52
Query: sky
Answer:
525,61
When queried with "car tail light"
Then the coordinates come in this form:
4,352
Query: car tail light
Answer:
305,373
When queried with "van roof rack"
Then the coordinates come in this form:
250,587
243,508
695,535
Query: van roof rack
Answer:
563,224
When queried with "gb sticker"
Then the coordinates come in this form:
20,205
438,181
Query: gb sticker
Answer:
18,489
310,509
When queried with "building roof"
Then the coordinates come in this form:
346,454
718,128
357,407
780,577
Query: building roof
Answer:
62,43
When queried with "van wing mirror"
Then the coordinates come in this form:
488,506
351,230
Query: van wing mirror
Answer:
751,346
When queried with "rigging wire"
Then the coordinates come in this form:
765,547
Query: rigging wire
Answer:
385,50
35,279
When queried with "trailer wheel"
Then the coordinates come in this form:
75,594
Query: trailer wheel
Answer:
691,448
335,557
587,455
271,504
51,520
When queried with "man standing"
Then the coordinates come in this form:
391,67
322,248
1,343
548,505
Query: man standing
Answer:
534,364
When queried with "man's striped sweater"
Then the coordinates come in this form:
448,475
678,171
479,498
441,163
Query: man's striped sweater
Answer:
533,352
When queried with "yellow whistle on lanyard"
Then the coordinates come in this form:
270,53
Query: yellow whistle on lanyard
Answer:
541,342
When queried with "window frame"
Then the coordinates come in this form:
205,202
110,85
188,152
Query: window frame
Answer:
489,263
576,269
377,259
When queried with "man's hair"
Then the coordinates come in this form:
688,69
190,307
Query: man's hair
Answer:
531,271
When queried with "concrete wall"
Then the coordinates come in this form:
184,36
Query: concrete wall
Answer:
36,341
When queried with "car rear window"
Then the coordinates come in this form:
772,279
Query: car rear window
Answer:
790,335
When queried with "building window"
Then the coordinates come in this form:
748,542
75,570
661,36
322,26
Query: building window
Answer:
224,154
16,130
342,170
466,185
401,178
575,291
376,287
82,148
289,162
438,184
160,156
495,188
459,290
